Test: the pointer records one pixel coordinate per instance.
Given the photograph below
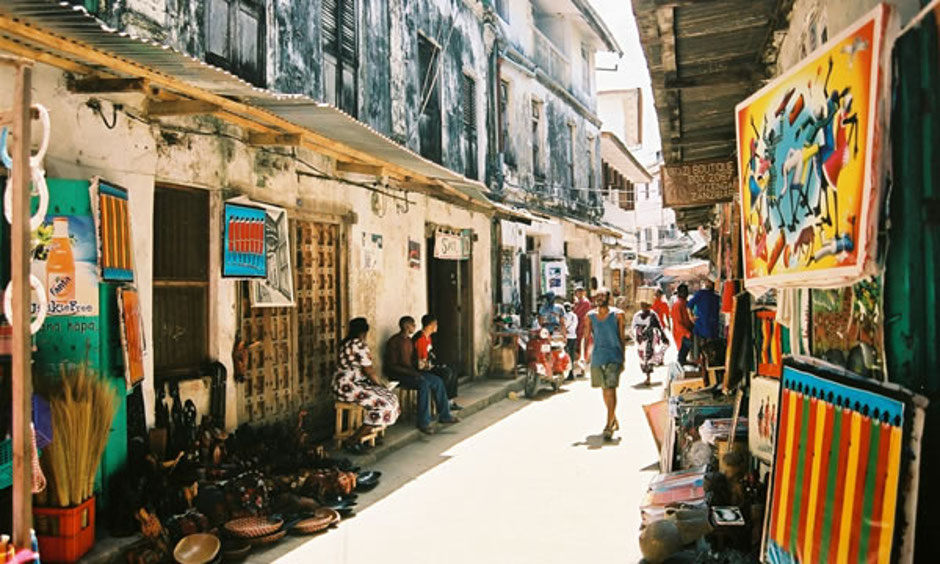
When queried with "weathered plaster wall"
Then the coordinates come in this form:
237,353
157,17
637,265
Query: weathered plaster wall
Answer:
585,244
557,115
812,21
138,156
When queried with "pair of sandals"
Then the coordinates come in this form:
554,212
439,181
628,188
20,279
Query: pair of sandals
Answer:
610,428
429,430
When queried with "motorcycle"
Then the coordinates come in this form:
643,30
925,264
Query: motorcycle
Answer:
546,361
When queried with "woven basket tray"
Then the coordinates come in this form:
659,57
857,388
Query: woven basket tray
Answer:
253,527
322,518
267,539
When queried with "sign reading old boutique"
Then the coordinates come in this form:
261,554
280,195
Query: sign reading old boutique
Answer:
693,184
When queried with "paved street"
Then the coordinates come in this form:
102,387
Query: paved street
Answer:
522,481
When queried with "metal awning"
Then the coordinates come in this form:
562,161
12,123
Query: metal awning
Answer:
67,36
704,58
616,154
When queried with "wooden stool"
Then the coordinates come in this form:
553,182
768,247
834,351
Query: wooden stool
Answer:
408,400
348,421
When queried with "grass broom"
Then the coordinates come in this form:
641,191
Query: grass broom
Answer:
82,405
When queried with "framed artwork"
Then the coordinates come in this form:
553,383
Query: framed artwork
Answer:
836,491
110,208
243,243
762,417
132,335
767,344
276,289
809,161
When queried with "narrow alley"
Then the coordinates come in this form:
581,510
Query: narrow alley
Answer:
521,481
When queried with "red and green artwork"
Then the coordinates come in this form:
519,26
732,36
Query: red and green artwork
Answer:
837,469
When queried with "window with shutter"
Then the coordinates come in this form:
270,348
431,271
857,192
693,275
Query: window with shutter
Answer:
235,37
537,169
429,123
469,96
503,114
340,30
180,280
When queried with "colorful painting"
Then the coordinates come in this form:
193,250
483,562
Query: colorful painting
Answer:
808,156
837,469
132,335
847,328
767,344
277,287
762,417
110,205
243,246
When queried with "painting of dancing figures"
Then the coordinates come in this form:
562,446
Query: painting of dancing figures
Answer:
807,144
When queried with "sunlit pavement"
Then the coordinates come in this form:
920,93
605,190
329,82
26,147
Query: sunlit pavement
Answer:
521,481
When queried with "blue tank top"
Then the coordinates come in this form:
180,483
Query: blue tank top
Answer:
607,346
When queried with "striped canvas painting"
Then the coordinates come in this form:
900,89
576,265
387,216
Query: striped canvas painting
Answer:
116,259
834,495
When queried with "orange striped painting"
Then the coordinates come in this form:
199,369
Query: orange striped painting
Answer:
132,335
834,492
115,255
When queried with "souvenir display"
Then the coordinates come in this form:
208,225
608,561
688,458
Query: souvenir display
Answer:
810,158
837,468
111,207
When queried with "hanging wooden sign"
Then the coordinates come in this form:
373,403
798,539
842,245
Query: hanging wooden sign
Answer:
699,183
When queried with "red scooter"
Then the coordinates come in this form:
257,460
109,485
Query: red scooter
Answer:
546,360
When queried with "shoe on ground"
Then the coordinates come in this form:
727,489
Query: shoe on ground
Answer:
427,430
450,421
455,407
569,378
357,448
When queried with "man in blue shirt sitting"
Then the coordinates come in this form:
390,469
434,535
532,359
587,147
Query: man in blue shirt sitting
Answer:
705,306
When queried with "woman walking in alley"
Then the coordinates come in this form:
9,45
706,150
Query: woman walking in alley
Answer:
357,382
604,325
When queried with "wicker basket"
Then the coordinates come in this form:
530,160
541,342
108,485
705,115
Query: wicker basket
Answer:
252,527
322,518
267,539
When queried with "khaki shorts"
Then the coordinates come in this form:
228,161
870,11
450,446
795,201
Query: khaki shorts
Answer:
606,375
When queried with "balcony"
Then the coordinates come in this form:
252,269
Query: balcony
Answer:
551,60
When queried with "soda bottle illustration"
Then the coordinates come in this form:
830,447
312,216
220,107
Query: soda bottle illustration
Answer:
60,265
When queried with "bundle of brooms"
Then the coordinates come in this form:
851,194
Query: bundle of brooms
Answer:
82,405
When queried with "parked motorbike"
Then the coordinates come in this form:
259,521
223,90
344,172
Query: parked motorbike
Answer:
546,361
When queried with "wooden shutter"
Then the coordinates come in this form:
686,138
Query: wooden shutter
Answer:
349,48
328,24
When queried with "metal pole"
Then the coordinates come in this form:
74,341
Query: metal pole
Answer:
22,382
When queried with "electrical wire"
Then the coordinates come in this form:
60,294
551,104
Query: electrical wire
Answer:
318,173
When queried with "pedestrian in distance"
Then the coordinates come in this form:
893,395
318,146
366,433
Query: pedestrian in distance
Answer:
705,306
605,327
682,323
661,307
581,307
571,328
650,339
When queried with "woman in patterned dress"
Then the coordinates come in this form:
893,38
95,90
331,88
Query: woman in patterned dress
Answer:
357,382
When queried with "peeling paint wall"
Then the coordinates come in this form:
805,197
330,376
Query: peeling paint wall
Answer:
139,156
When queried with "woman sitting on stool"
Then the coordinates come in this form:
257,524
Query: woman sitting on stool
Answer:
356,382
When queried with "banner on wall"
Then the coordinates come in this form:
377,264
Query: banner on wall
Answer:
554,277
414,254
809,158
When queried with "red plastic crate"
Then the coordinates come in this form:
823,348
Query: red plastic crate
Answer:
65,535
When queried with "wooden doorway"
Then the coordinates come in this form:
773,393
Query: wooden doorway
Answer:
450,299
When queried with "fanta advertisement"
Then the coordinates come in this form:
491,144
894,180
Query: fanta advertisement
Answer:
65,260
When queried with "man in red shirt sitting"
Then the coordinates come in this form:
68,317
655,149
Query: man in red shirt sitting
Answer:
682,323
400,365
427,362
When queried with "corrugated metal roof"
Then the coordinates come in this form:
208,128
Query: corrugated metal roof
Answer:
704,58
